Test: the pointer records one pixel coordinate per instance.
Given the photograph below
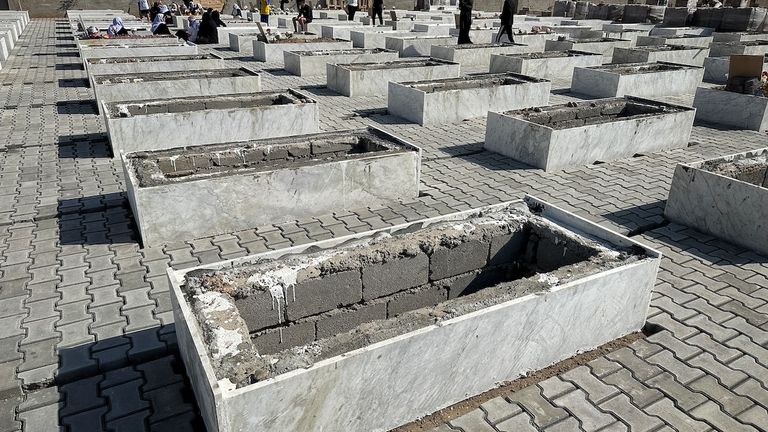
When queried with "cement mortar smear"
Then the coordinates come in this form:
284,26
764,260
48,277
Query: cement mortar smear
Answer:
212,161
576,114
138,108
640,68
472,82
263,319
172,76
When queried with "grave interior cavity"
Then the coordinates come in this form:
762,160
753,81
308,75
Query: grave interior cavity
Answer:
132,109
186,75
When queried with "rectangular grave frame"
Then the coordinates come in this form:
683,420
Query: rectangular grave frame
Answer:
371,79
416,46
604,46
548,65
700,204
477,55
751,47
274,52
179,127
313,63
610,81
314,180
412,102
186,83
543,146
719,106
680,54
223,406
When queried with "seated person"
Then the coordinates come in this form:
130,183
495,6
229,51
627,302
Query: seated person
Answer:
117,28
159,27
304,17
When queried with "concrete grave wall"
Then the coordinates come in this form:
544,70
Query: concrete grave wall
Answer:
477,54
273,52
603,46
142,65
684,40
726,197
519,276
187,83
188,193
455,99
210,120
373,37
549,65
339,31
306,63
716,69
637,79
743,111
416,46
693,56
753,47
371,79
737,36
581,133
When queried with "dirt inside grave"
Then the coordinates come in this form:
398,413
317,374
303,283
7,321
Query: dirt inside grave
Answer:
641,68
212,161
262,99
174,76
576,114
396,64
752,168
151,59
541,256
471,82
551,54
355,51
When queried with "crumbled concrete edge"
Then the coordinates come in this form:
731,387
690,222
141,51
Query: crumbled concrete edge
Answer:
244,365
226,335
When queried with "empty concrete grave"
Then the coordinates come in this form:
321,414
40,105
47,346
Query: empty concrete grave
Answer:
702,192
720,106
402,321
667,53
549,64
636,79
193,192
208,120
371,79
579,133
456,99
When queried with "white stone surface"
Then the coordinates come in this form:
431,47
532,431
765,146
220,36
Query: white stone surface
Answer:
384,385
243,42
138,51
339,31
630,35
373,37
186,83
737,36
211,126
477,55
716,69
603,47
273,52
608,81
275,195
727,208
684,40
742,111
553,149
560,67
681,31
313,63
456,99
719,49
693,56
371,79
416,46
433,29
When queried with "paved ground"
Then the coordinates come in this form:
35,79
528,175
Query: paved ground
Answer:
86,330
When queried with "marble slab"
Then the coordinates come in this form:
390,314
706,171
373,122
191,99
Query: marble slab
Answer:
216,119
313,63
416,46
742,111
386,384
753,47
679,54
274,52
373,37
372,79
549,66
603,47
195,206
637,79
728,208
716,69
456,99
685,40
477,55
551,148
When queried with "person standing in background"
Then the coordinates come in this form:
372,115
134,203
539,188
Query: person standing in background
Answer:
144,9
465,21
264,11
351,9
508,10
377,9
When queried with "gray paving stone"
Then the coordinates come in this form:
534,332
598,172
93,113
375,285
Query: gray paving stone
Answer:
498,409
472,421
621,407
543,412
519,423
